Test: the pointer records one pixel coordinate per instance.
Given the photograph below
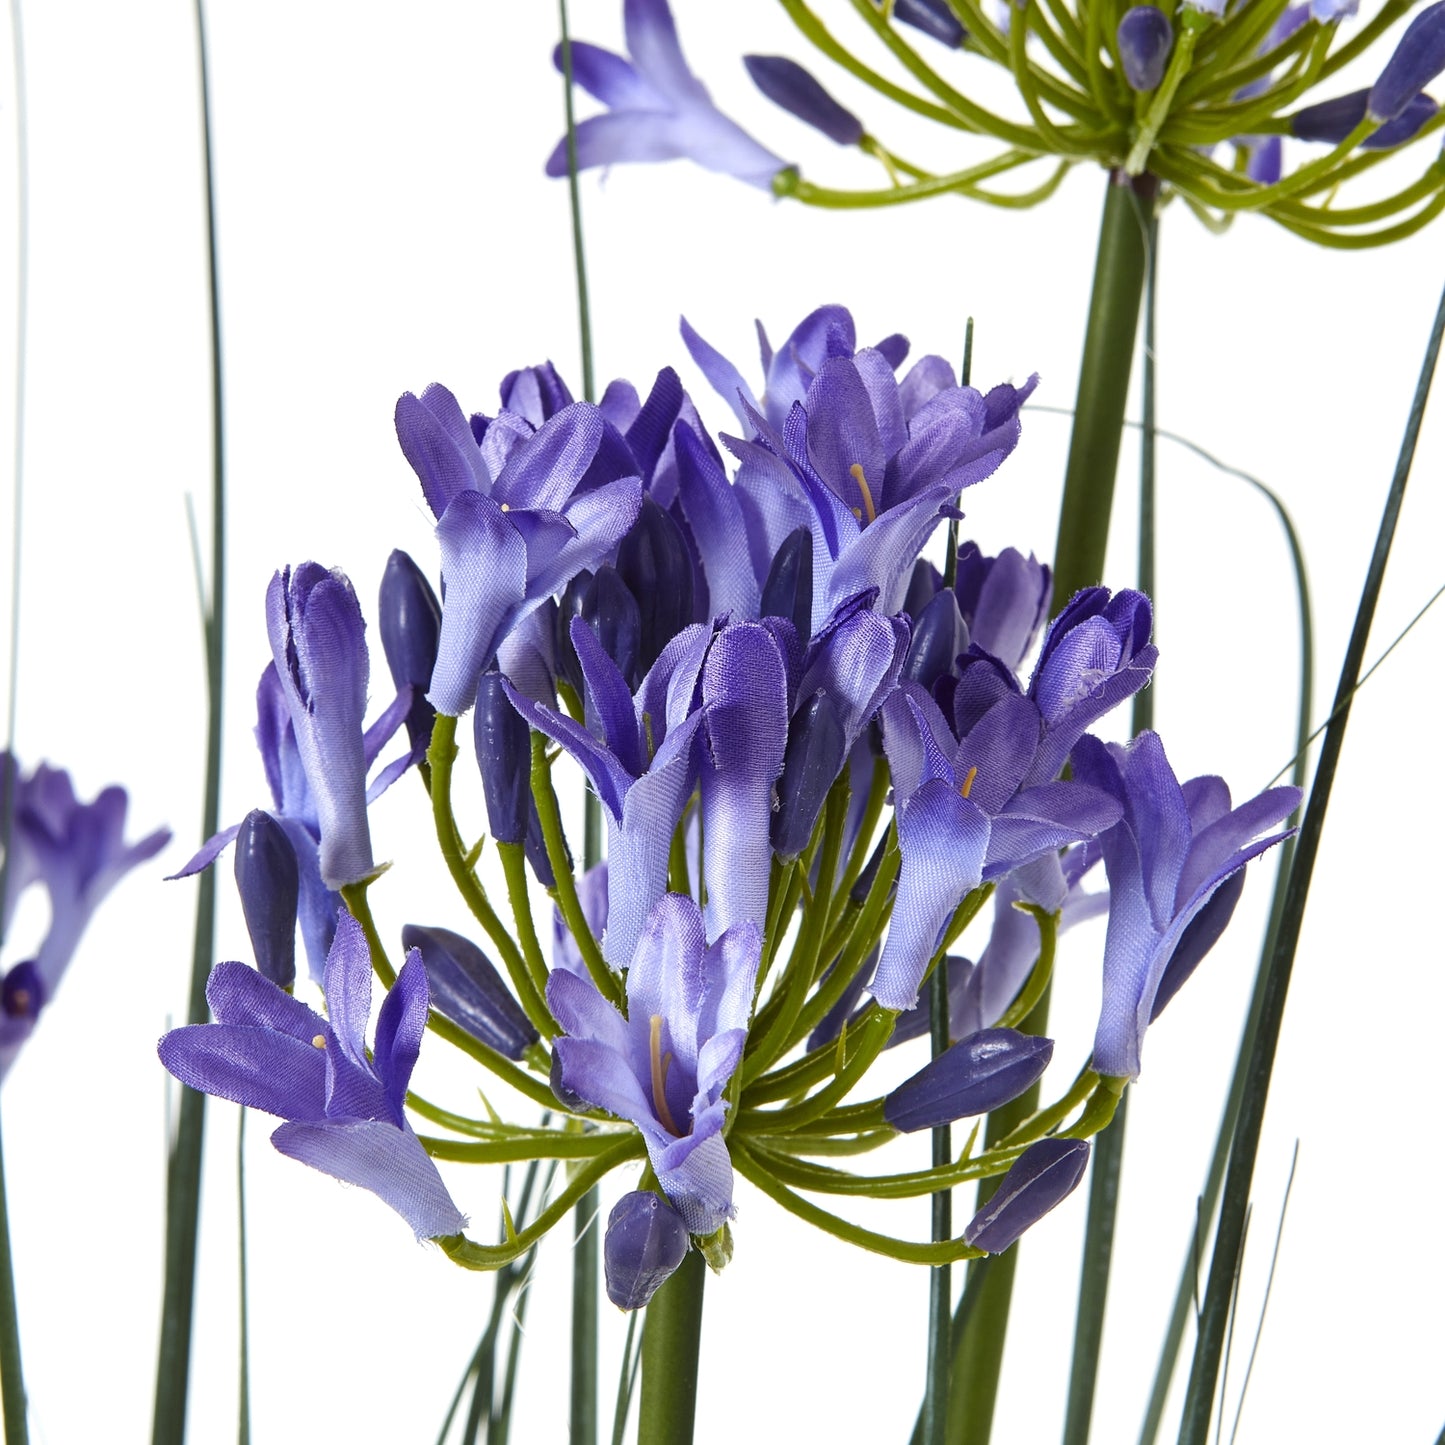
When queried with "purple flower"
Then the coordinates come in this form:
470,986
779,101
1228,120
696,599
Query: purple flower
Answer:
1331,121
967,811
868,464
658,110
643,763
1044,1175
974,1076
514,519
1172,860
934,18
1145,40
1418,59
664,1067
788,85
646,1241
268,1051
77,851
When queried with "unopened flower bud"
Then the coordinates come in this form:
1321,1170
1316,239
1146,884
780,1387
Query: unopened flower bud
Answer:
787,84
934,18
1044,1174
1418,59
939,635
974,1076
814,758
1332,120
410,620
654,562
467,989
613,614
646,1241
788,592
1145,39
504,756
570,606
269,884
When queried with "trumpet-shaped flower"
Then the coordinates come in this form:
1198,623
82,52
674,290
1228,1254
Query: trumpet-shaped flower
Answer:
78,852
1172,860
665,1065
344,1116
514,520
658,110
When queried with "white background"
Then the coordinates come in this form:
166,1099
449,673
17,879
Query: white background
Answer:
384,222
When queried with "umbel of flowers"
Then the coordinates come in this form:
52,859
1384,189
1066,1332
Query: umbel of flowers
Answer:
1149,92
817,759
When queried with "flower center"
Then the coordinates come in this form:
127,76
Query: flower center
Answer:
660,1061
967,787
856,472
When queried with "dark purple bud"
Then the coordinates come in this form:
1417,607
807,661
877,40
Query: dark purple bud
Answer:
934,18
536,849
535,392
646,1241
653,560
410,620
923,586
939,635
466,988
1044,1174
1332,120
974,1076
612,612
1418,59
269,884
811,764
569,607
787,84
22,994
504,756
788,592
1145,39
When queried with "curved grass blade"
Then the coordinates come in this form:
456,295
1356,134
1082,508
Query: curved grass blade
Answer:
1199,1399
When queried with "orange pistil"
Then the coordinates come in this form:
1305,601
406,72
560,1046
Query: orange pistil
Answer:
856,472
660,1061
967,787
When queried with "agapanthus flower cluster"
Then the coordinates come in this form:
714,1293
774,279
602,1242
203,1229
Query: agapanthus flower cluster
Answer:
817,758
1151,93
77,853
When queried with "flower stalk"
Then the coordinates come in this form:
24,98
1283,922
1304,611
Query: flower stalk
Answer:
671,1335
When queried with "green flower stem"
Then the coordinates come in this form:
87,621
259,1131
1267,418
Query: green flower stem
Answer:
602,976
671,1335
1361,242
761,1175
872,811
1100,85
790,185
442,755
1065,43
959,104
12,1377
940,1280
793,885
1036,1125
183,1169
809,1146
1225,119
1238,32
626,1380
913,1184
822,38
514,868
1213,83
533,1144
1192,24
1119,273
1365,35
796,1078
471,1255
1199,1399
1037,982
1019,64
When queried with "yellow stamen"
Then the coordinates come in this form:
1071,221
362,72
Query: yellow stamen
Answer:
319,1042
660,1061
856,472
506,506
968,782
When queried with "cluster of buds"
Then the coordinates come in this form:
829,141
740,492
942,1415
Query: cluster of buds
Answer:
1149,92
817,759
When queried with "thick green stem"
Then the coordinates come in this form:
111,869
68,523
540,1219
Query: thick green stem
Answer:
1119,272
12,1379
670,1339
940,1279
